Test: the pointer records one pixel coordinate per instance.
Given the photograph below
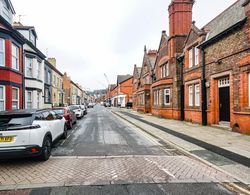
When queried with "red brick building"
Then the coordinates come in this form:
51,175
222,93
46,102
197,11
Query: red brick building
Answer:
143,82
135,82
123,92
11,64
166,87
217,70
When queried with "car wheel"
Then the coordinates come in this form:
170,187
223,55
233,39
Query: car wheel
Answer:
46,149
65,132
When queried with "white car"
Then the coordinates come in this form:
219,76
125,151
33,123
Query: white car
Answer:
77,110
25,133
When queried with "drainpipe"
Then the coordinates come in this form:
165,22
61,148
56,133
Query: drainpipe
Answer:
204,89
23,69
182,87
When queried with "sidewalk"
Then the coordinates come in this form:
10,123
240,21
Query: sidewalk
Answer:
227,150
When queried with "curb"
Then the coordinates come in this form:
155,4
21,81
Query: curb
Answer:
191,155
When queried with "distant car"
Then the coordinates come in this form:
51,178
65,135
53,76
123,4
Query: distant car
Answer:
26,133
69,116
91,105
77,110
107,104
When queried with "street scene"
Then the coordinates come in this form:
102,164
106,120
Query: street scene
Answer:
104,150
124,97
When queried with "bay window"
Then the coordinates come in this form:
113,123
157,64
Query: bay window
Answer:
164,70
2,52
2,98
39,70
15,57
29,67
15,98
167,97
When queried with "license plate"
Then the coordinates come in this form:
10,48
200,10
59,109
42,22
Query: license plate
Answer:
6,139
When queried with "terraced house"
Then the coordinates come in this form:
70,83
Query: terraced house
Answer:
33,68
57,85
11,61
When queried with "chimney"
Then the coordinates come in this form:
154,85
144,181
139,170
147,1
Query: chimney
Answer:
52,61
180,17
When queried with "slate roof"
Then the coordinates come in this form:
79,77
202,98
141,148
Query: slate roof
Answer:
230,17
122,78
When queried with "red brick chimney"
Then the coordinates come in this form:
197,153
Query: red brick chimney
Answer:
180,17
180,22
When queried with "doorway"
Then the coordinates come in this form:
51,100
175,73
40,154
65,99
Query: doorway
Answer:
224,99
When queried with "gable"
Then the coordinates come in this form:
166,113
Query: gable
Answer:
192,37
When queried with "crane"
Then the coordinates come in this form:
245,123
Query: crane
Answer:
106,77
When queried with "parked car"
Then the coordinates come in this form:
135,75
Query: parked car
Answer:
84,108
69,115
26,133
77,110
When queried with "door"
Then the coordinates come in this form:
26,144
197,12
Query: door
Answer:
224,93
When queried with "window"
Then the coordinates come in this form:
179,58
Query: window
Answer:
157,97
54,80
49,77
15,57
142,99
190,91
190,58
196,56
39,70
197,95
15,98
47,95
29,67
29,100
167,97
2,52
32,39
2,98
38,99
165,70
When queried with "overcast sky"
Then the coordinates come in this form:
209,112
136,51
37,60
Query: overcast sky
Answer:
92,37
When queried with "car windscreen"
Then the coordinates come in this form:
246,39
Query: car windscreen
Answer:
15,120
59,111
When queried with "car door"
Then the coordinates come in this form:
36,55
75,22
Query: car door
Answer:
59,123
50,123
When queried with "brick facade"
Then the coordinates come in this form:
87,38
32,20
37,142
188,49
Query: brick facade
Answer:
142,93
10,77
166,88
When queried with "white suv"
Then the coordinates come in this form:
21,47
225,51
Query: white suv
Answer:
25,133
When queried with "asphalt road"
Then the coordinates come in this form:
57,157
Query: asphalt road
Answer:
101,133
